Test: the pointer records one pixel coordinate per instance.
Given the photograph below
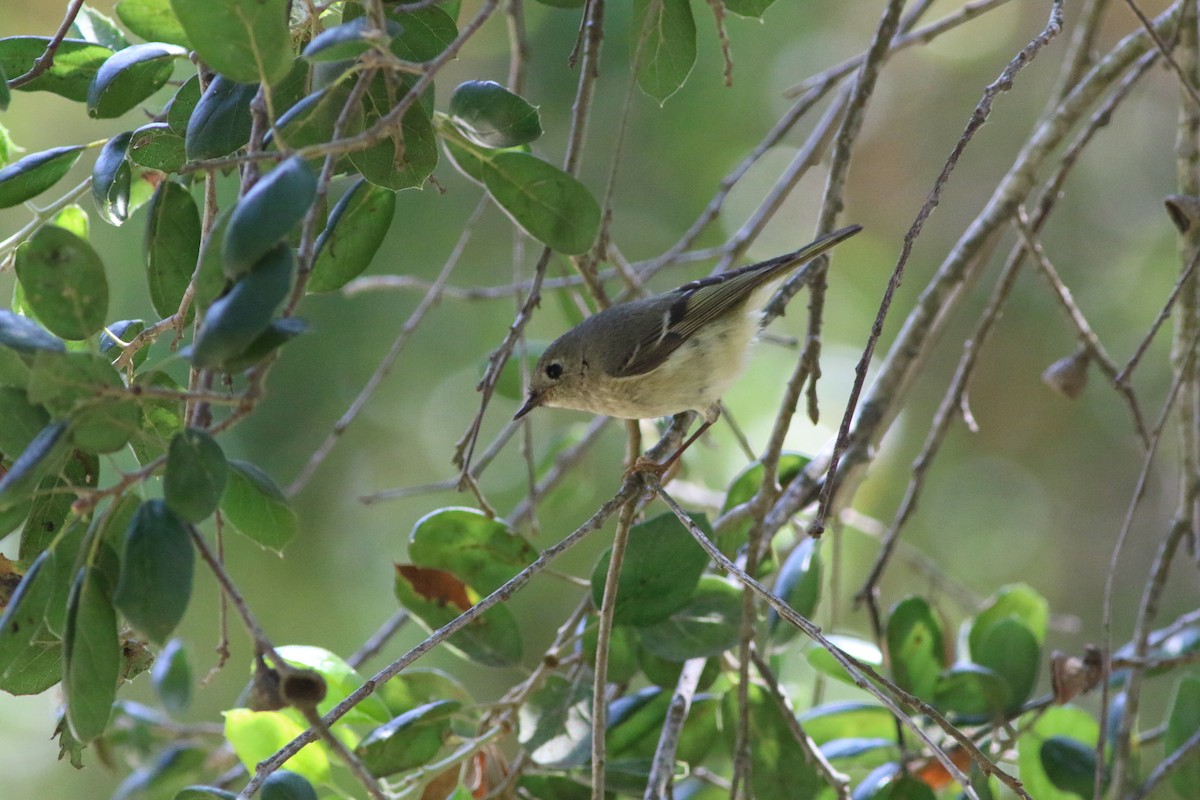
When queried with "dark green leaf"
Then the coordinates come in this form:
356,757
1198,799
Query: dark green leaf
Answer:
195,475
400,162
346,41
65,556
26,336
424,34
52,502
172,678
286,785
220,122
888,782
5,99
748,8
210,282
41,457
157,146
130,76
706,626
266,214
436,597
125,330
88,388
552,207
172,245
25,611
162,417
661,672
75,64
20,420
256,507
663,44
1009,649
35,668
408,741
779,769
491,116
156,571
1070,765
153,20
180,109
646,592
743,487
111,179
972,692
313,118
92,26
915,646
356,229
277,334
245,40
197,792
14,371
35,173
799,584
482,552
235,321
622,650
64,282
1182,724
91,655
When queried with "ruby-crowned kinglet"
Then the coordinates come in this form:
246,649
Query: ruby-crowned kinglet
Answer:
673,352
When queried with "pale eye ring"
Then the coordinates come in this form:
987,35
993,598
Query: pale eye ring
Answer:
554,371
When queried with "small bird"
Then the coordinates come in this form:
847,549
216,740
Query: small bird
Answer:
673,352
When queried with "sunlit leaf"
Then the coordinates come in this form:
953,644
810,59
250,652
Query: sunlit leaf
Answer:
157,146
663,44
245,40
130,76
35,173
257,508
483,552
491,116
153,20
111,178
916,646
76,62
255,735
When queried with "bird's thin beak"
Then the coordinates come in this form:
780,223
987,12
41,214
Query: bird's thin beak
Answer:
533,402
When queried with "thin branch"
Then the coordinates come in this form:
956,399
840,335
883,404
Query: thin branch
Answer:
46,59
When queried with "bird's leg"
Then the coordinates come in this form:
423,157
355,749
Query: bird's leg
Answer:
644,464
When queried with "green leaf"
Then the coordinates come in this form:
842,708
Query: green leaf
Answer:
647,593
195,476
153,20
424,34
88,389
111,178
197,792
65,555
1070,765
408,741
418,686
124,330
974,693
91,655
491,116
74,219
622,650
157,146
706,626
41,457
555,723
277,334
286,785
35,173
25,611
266,214
744,487
92,26
1010,649
1054,722
172,678
36,668
916,646
887,782
862,650
256,507
398,162
340,681
255,735
221,120
130,76
663,44
1182,724
436,597
748,8
313,118
76,62
799,584
844,720
355,231
550,205
20,420
235,321
156,571
347,41
26,336
1018,601
482,552
779,769
162,417
180,109
5,99
52,502
64,282
172,245
245,40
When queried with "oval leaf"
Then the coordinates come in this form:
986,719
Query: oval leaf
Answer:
663,45
220,122
156,571
153,20
915,646
172,245
277,334
91,655
436,597
130,76
1010,650
76,62
245,40
234,322
287,785
349,40
492,116
195,475
64,282
550,205
356,229
256,507
157,146
799,584
706,626
402,162
255,735
111,178
180,109
480,551
266,214
172,678
1070,765
408,741
35,173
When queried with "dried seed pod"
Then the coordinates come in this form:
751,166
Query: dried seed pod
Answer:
1068,376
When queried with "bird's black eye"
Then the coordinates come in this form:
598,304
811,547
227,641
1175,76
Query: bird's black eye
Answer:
554,371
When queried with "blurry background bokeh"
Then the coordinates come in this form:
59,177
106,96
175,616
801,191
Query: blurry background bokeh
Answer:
1036,495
